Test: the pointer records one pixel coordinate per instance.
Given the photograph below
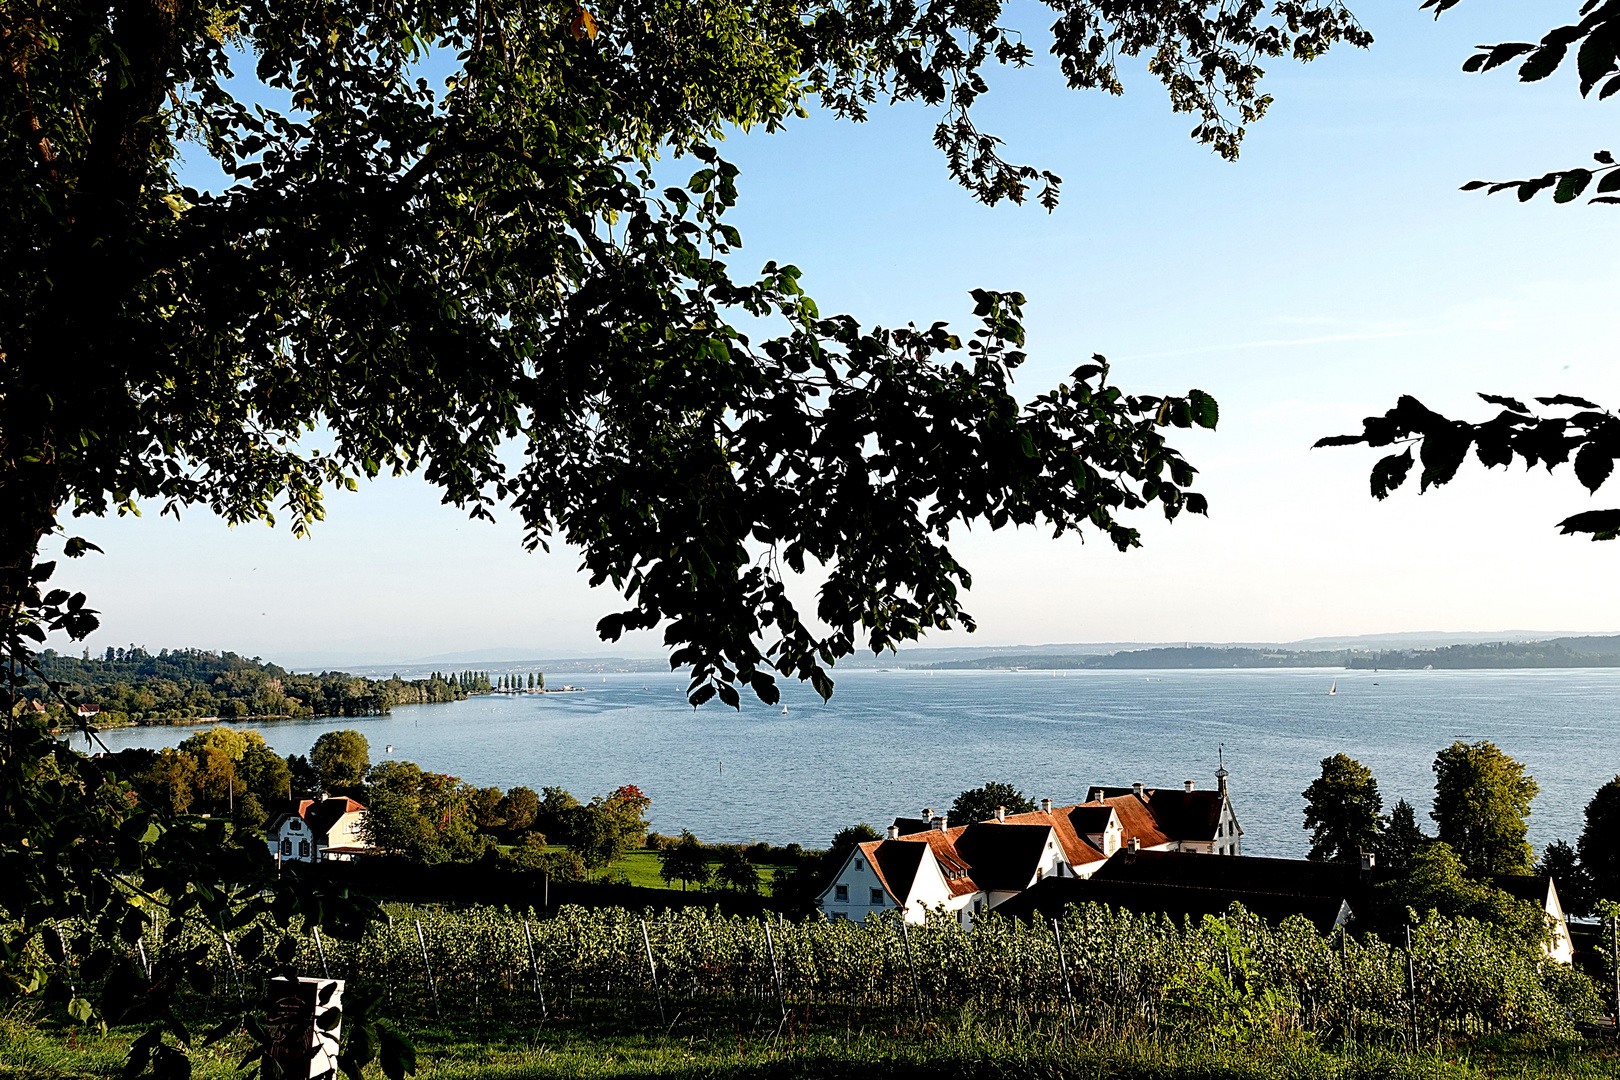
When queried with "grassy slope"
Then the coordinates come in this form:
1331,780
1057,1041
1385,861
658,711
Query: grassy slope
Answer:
612,1046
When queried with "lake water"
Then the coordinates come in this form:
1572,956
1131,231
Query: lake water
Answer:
894,742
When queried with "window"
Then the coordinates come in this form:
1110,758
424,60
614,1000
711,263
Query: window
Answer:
303,849
1218,829
978,906
295,825
1040,872
877,897
858,864
286,849
841,893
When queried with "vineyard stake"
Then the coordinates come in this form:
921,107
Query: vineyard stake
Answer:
916,990
235,974
421,939
140,950
776,974
1614,954
652,967
1411,986
320,949
1063,966
534,968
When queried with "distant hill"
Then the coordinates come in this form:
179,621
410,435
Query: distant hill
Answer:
1565,652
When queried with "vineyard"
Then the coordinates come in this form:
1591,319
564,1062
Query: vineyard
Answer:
1234,980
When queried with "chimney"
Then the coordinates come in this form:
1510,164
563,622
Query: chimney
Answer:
1189,784
1133,845
1137,787
1368,860
1001,813
941,822
1046,806
894,832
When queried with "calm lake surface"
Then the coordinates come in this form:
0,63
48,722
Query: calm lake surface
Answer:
893,742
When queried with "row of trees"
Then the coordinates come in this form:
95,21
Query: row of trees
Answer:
1481,803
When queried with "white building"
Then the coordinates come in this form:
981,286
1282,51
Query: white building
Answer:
926,863
318,830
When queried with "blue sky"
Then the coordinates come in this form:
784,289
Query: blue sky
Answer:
1334,266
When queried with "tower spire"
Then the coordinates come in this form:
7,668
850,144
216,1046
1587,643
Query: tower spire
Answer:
1220,772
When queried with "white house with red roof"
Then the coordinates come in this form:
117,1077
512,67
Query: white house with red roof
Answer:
317,830
928,864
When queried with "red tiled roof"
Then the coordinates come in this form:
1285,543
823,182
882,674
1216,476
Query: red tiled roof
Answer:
1135,820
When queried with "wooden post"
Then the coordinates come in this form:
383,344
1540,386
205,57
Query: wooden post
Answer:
427,968
653,968
776,974
534,969
320,949
235,974
1063,966
140,951
916,988
1614,945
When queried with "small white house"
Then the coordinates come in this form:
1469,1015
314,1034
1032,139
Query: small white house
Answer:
319,830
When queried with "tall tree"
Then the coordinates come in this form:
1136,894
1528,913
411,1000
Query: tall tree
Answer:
734,872
1343,810
1599,843
1562,863
1481,799
981,803
1402,837
341,758
685,861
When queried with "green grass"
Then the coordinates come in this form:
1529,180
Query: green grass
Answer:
641,866
618,1043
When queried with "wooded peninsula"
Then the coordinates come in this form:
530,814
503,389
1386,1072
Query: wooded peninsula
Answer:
135,686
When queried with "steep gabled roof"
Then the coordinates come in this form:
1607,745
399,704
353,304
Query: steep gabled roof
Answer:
1533,887
957,873
1186,815
1136,820
1003,855
896,863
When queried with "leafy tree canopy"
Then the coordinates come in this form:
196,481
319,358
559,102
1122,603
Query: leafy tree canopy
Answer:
1481,800
981,803
1561,862
1439,881
1402,837
341,758
423,271
1599,843
1343,810
685,861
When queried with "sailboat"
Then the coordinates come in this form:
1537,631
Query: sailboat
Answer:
784,710
1334,689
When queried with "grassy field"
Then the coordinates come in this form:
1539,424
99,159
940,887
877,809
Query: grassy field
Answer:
618,1047
641,866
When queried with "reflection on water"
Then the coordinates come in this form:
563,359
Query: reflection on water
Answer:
894,742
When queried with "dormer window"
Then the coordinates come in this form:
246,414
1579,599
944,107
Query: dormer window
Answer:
295,825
